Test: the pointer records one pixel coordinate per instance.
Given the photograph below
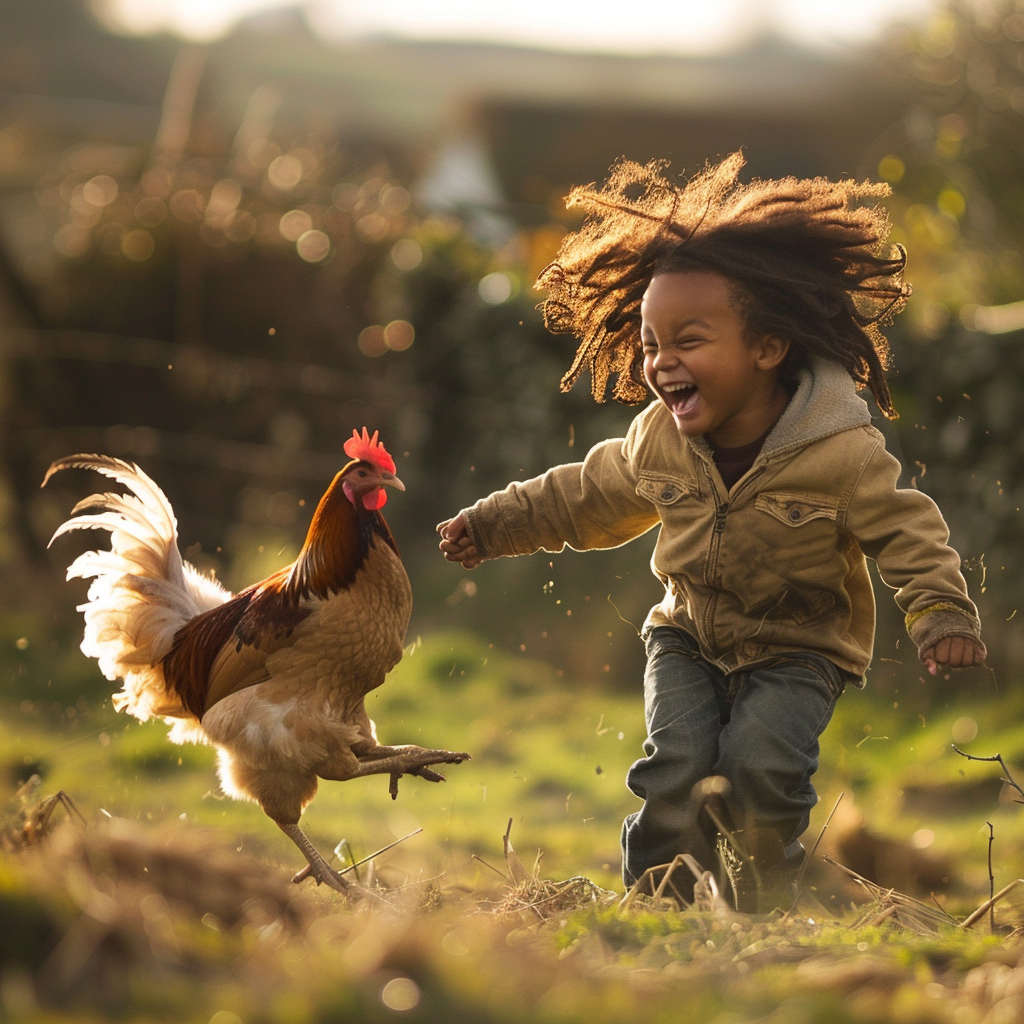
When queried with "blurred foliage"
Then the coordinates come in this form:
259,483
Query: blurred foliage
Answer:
956,163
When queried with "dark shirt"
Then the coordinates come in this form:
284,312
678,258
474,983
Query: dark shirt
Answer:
732,463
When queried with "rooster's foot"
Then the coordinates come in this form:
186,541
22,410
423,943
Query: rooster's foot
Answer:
411,760
423,773
316,868
329,877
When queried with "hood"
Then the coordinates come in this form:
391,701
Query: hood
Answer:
825,402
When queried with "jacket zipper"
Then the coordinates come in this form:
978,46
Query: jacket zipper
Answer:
711,566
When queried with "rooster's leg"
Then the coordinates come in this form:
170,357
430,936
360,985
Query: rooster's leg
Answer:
406,761
318,867
410,760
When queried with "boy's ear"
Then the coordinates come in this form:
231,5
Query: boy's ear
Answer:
771,350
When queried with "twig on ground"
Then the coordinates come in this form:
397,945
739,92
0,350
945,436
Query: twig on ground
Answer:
501,874
646,881
889,904
1007,777
991,880
943,910
515,865
383,849
546,898
981,911
798,883
745,859
347,847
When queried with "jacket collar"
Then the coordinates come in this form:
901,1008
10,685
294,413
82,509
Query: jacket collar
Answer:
825,403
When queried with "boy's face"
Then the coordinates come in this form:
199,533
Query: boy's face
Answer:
700,364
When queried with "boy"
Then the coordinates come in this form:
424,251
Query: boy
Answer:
752,313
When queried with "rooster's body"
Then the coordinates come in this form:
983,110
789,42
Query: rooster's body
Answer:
274,677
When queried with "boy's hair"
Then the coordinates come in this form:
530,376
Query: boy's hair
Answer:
805,265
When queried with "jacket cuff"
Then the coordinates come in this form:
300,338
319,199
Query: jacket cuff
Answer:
930,625
482,532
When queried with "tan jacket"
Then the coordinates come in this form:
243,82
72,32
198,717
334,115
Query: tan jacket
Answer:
775,564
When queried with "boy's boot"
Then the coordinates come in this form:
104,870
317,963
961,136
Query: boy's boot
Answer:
769,874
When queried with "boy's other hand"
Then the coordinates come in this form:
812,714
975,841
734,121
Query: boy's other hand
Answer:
954,652
456,544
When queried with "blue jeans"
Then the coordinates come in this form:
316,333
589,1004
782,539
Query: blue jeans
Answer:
757,729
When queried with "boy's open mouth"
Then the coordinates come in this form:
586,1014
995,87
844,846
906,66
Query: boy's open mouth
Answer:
681,398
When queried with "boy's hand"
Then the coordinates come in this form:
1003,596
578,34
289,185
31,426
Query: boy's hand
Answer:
954,652
456,543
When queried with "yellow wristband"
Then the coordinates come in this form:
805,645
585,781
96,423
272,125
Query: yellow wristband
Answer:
941,606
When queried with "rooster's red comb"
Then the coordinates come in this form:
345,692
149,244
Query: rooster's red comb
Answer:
369,449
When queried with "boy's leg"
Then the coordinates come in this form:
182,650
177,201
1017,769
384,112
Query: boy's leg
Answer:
683,710
769,751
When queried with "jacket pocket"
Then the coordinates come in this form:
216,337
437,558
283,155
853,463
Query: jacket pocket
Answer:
796,509
661,490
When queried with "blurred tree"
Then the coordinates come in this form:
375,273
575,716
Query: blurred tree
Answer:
956,162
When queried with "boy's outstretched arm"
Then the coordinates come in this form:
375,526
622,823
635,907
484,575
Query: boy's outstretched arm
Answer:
954,652
456,543
904,532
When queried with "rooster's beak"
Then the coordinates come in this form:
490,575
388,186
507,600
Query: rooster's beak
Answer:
392,481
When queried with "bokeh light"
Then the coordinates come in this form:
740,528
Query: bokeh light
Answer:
407,254
313,246
138,245
400,994
399,335
372,341
285,172
495,288
294,224
964,730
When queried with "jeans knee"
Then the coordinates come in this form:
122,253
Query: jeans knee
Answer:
668,777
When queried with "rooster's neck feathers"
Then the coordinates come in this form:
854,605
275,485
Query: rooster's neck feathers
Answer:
340,539
336,547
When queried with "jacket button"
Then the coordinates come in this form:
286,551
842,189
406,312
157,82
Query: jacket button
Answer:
666,494
794,514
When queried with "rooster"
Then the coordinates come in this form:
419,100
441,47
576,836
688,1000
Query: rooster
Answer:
274,677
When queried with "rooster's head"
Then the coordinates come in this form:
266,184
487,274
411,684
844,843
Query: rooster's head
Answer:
370,470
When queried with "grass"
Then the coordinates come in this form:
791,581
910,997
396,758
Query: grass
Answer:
235,942
549,757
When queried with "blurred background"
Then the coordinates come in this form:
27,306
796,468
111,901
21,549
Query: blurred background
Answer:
231,232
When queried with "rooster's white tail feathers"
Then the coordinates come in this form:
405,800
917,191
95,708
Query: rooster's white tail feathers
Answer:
142,591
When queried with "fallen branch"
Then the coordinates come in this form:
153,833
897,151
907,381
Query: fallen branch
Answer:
1007,777
988,904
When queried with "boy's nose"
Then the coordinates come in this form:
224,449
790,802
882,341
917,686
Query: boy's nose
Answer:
664,358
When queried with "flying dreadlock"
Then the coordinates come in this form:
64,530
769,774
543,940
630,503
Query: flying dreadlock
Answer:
804,264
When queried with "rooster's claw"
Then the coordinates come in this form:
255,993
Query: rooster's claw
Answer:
423,773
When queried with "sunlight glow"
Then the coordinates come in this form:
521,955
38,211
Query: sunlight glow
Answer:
666,26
